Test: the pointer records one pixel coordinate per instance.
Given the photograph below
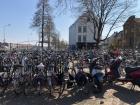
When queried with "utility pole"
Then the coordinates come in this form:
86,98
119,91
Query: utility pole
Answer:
4,33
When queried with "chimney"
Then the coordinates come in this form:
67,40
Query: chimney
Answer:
132,17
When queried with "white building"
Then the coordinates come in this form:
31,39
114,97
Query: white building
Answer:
81,32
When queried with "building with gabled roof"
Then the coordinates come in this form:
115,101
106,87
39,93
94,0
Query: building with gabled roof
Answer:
81,33
131,36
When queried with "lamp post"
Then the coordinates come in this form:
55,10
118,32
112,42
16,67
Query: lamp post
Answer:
4,33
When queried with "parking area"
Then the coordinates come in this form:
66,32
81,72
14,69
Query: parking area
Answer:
117,94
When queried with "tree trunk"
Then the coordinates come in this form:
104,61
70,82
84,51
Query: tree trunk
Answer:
42,42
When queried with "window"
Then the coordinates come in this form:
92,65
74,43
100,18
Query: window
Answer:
139,45
132,30
84,38
79,38
88,19
84,29
79,29
125,31
130,42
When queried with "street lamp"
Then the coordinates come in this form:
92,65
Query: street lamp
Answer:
4,33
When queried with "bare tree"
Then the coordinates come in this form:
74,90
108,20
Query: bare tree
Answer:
49,30
43,20
104,14
54,41
63,45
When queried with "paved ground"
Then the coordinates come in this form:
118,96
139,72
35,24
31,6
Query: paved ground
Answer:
112,95
117,94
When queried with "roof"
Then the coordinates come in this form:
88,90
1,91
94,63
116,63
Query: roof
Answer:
83,16
132,18
137,20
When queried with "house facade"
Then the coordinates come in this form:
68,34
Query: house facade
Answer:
131,36
81,33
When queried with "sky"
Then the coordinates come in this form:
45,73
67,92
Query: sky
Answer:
19,14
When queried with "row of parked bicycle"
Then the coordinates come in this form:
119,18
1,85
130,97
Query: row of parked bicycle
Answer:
32,71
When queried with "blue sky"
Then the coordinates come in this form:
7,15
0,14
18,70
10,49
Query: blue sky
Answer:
19,14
